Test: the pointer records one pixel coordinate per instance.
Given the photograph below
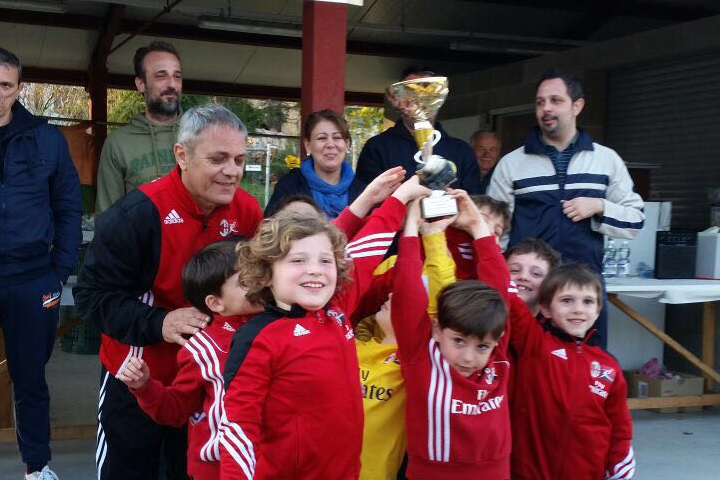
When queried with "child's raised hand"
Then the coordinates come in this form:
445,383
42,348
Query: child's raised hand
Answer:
411,190
136,373
413,219
377,191
384,184
436,226
469,217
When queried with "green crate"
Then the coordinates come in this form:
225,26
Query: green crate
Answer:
81,258
87,195
83,339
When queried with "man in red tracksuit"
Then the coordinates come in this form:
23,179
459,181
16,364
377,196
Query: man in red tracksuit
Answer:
130,284
456,371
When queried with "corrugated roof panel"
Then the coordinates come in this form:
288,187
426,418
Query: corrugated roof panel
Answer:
666,113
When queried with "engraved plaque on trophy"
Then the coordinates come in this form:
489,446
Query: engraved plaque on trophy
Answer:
420,99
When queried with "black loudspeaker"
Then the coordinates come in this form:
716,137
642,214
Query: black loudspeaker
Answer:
675,254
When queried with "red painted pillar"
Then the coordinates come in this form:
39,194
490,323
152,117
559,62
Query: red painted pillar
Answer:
323,57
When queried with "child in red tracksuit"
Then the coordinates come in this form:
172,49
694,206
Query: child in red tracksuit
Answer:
529,262
210,284
496,214
569,411
456,371
293,401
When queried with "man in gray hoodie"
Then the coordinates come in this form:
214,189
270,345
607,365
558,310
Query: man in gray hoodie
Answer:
142,151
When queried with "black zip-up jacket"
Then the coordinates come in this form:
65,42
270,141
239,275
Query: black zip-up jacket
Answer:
396,146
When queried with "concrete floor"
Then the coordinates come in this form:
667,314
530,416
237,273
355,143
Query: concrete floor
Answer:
667,446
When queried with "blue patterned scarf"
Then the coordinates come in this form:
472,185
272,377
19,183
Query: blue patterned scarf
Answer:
331,199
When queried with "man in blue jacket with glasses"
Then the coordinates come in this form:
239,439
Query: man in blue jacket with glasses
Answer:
40,235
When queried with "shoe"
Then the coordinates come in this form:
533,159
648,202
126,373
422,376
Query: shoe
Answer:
45,474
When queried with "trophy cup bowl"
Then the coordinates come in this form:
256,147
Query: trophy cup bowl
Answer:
419,100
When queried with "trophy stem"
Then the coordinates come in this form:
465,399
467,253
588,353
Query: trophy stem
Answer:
426,148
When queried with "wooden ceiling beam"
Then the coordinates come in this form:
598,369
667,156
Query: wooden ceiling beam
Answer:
597,15
61,20
199,87
632,8
98,72
55,76
108,32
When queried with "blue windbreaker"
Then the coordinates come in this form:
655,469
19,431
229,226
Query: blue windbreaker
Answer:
40,205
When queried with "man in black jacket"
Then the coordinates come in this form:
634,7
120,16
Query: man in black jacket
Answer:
396,146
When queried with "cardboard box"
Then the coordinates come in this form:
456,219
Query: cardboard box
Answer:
641,386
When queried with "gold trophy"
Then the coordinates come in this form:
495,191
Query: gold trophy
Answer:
420,99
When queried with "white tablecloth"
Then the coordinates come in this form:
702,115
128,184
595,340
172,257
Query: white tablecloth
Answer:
666,291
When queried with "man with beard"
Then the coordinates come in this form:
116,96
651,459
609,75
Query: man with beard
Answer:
142,151
564,188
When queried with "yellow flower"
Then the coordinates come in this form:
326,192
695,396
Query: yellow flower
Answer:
292,161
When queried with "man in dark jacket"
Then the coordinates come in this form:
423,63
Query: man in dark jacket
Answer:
565,189
39,240
396,146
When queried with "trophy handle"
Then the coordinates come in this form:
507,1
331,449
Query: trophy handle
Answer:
434,139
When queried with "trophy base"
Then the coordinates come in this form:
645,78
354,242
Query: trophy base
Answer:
438,205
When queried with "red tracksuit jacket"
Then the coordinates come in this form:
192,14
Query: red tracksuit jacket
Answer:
460,247
293,399
195,396
131,276
459,244
457,427
569,411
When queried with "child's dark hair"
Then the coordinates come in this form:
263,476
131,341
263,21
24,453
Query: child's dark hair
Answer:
472,308
496,207
206,271
296,197
537,246
575,274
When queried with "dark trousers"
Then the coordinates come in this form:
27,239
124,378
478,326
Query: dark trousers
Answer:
601,325
29,317
130,445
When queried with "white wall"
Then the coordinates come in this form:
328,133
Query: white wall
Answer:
462,127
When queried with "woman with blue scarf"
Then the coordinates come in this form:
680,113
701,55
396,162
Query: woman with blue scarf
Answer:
323,175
